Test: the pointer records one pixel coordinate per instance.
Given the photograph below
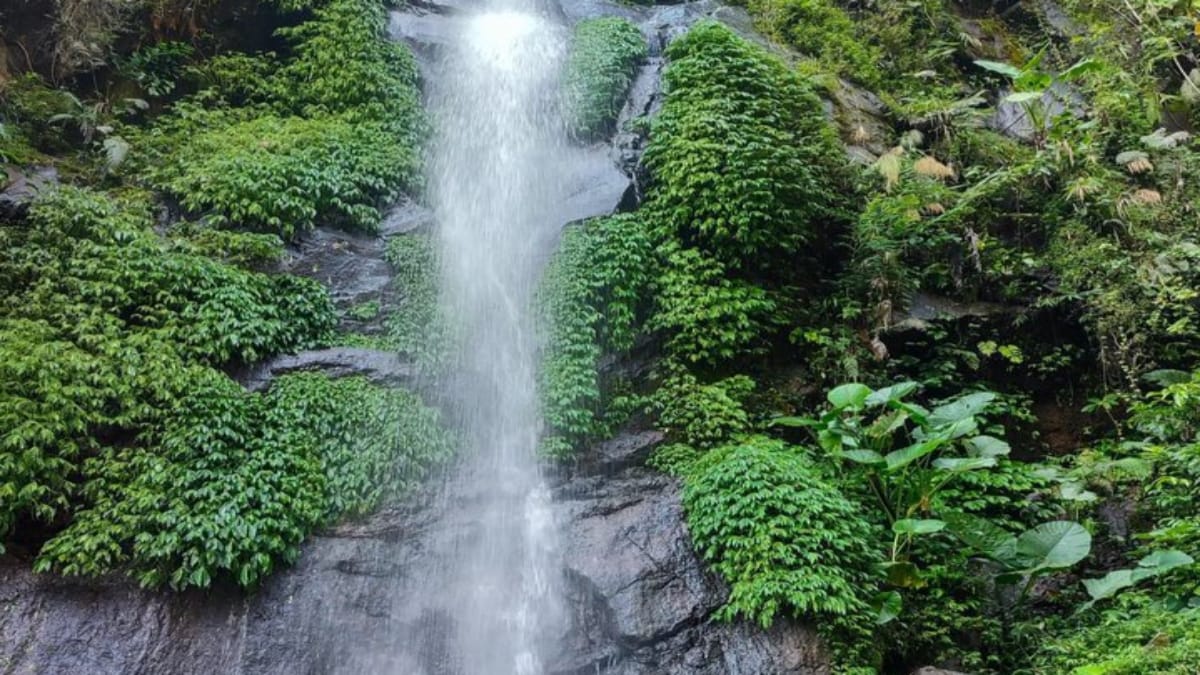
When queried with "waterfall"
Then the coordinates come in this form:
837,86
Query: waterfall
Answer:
495,182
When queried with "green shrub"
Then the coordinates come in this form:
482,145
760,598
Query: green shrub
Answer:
599,71
278,173
708,315
27,105
371,442
230,482
333,132
418,325
744,164
344,62
157,67
1146,641
822,29
702,416
220,491
592,301
244,249
786,541
101,326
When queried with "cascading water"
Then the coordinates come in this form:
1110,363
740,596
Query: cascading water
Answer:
495,183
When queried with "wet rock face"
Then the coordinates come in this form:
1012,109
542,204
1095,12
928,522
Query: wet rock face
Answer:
639,600
380,367
19,188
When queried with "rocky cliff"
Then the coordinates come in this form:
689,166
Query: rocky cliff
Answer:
639,600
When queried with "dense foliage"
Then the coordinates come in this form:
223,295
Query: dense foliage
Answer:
593,301
127,446
942,402
724,201
785,540
109,318
230,483
1023,261
605,53
332,132
744,165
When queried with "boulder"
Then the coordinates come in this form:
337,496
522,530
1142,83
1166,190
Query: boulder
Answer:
380,367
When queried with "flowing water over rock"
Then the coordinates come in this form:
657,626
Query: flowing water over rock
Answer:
461,578
495,186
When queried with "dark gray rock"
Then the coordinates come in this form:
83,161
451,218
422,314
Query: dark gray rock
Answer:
640,601
625,451
924,308
595,186
380,367
351,265
861,118
1012,119
20,188
406,217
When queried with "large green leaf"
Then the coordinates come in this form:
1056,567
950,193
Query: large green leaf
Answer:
795,422
1024,96
918,414
987,446
893,393
1152,565
862,456
1079,69
963,464
903,575
918,526
962,408
886,606
898,459
1163,561
1054,545
1109,584
1006,69
887,424
983,536
850,395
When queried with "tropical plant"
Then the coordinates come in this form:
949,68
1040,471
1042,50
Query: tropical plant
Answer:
1042,550
1033,88
862,429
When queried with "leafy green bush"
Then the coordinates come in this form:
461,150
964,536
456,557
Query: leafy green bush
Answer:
604,56
102,327
344,62
278,173
703,415
418,325
709,316
745,167
219,491
27,106
332,132
231,482
244,249
1144,641
592,300
371,442
157,67
822,29
786,541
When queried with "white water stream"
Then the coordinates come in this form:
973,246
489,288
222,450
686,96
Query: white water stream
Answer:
496,181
